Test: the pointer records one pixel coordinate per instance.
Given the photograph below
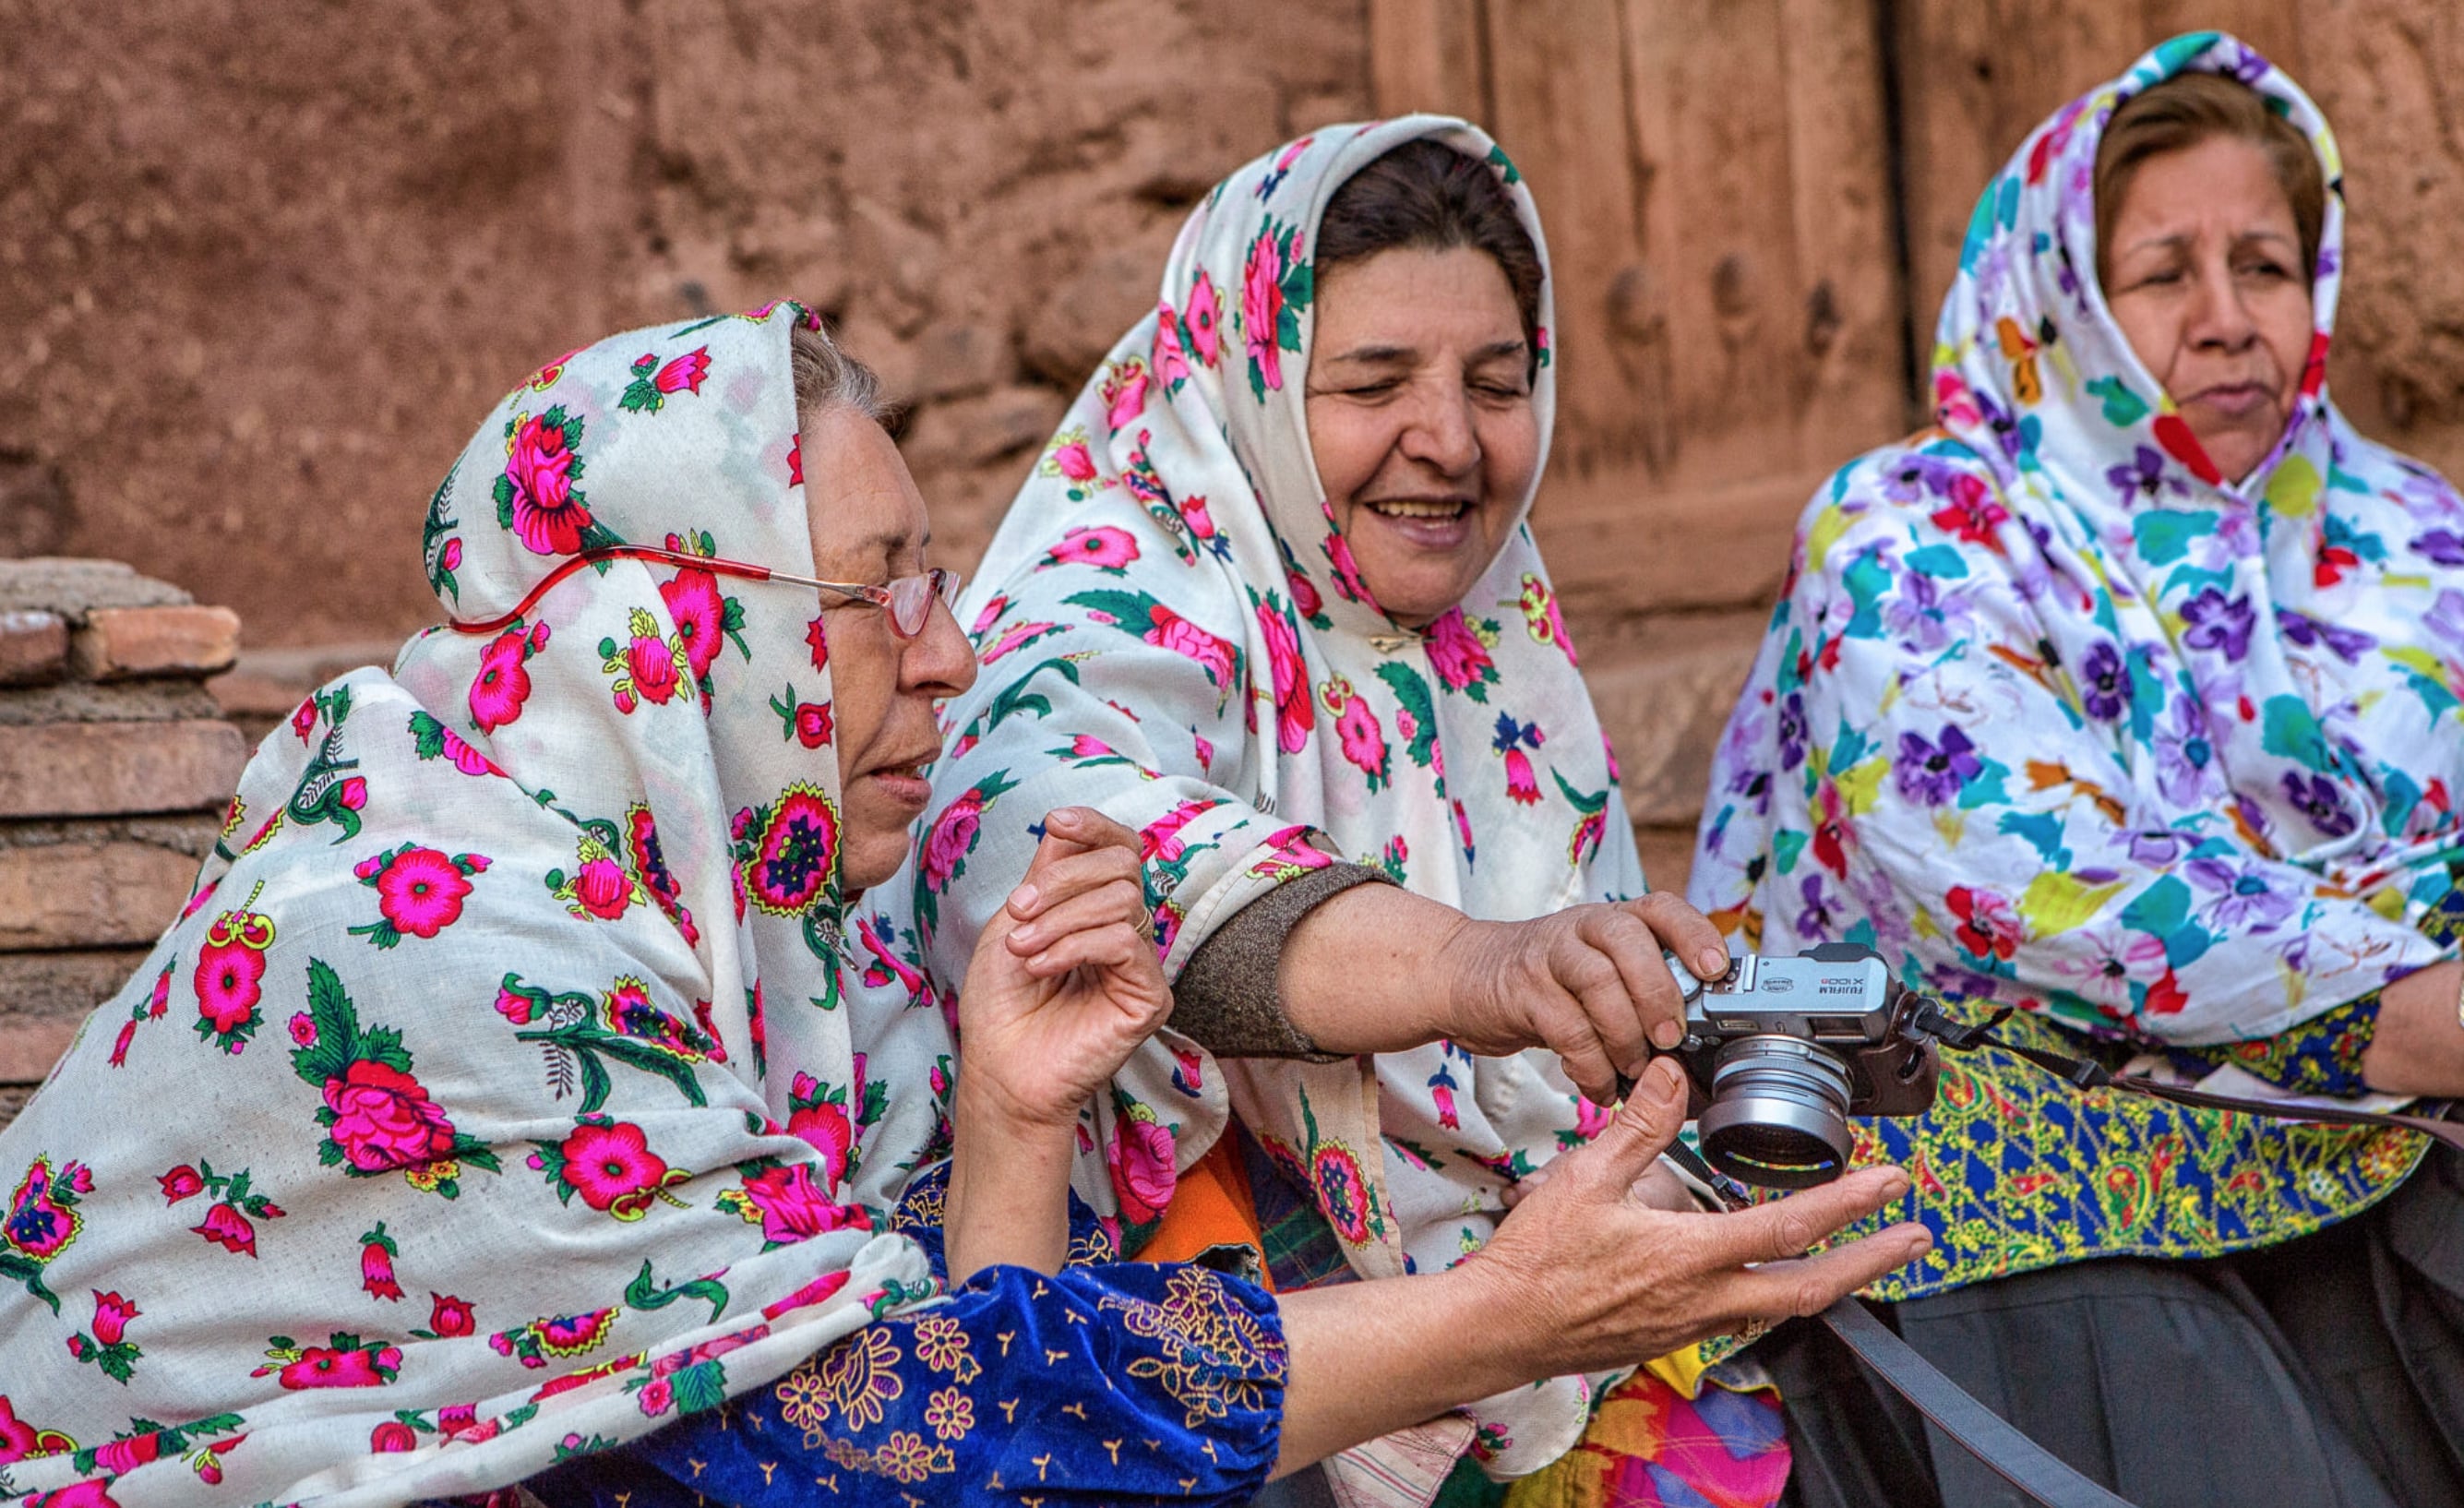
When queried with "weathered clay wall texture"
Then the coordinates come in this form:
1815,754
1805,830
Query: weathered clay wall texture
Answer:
262,265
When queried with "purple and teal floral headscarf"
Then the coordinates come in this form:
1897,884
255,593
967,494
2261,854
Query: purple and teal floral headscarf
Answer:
1175,632
517,1078
2053,713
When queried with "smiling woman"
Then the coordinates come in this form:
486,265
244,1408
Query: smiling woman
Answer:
1270,599
1421,417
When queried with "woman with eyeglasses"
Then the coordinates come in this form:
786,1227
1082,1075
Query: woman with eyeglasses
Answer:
542,1086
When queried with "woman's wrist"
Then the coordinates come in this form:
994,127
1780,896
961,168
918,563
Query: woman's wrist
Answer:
1008,1202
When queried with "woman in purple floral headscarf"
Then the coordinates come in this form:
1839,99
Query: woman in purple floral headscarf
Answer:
2126,696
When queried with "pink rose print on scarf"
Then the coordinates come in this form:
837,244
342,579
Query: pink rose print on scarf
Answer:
1275,287
1105,548
1362,740
343,1360
377,1116
1540,617
430,739
599,888
1201,525
1170,352
558,1335
1124,392
1511,739
392,1437
1137,613
1463,831
1292,852
535,495
377,1254
819,1116
653,383
1459,653
502,685
644,667
705,618
610,1164
1141,1159
228,976
20,1441
784,1201
952,840
1200,321
108,1346
419,892
1073,459
807,722
1304,598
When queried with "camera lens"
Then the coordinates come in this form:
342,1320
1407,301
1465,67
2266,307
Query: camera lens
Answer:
1779,1112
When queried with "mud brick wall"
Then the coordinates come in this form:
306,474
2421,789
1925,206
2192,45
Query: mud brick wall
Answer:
116,766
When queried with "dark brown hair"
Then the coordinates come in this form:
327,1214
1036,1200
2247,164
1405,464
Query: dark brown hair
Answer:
2187,109
1425,194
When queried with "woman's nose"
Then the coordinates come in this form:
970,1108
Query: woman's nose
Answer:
1442,432
939,661
2220,317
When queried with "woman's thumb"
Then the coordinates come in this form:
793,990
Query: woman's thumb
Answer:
1643,1126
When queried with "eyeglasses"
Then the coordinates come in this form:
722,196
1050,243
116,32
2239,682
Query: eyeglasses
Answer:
908,600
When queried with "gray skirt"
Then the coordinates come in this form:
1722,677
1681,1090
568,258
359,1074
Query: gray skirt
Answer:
2325,1372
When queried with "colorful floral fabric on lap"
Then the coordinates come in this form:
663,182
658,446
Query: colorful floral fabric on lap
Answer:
517,1082
1174,631
2057,717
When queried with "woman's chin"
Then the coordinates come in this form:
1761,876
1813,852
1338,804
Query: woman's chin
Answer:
866,859
1415,586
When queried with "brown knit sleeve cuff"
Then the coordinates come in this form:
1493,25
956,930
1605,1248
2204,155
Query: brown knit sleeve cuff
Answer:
1226,999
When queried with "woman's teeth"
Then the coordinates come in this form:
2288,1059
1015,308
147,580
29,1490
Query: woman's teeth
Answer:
1414,508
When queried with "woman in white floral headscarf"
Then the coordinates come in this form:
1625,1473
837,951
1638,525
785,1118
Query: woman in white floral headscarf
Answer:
1271,600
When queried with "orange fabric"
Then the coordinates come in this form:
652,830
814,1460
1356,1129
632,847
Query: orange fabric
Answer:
1211,1206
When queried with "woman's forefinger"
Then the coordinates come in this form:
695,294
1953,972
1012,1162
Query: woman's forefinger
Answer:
1808,1285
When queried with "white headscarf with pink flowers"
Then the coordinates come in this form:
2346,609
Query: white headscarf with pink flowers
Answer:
517,1080
1175,632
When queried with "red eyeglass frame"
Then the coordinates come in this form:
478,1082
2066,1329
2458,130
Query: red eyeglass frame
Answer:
940,584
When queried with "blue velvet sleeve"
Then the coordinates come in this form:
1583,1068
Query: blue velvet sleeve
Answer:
1117,1383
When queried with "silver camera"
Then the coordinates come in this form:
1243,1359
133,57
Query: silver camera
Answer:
1783,1050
